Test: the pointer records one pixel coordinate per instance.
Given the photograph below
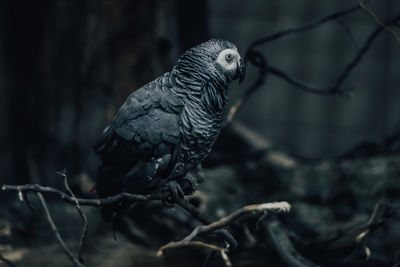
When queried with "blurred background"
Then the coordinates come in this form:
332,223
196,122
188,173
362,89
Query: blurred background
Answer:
67,66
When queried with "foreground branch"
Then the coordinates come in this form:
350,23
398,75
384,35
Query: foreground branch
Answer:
186,205
56,232
70,198
6,261
203,229
284,246
216,226
81,214
82,201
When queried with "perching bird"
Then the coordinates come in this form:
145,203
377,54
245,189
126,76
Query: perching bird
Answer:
165,129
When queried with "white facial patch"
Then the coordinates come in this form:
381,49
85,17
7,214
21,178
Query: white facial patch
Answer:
226,64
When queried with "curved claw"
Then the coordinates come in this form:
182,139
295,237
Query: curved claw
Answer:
171,192
188,183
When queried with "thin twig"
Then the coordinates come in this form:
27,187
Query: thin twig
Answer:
265,69
82,201
83,216
349,33
355,235
301,85
189,243
186,205
27,201
221,250
307,27
375,17
203,229
350,66
284,246
258,60
55,230
7,262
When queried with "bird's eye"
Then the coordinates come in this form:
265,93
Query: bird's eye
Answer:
228,57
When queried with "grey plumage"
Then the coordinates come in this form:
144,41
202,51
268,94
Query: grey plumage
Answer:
168,126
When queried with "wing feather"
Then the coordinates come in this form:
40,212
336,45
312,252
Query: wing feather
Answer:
139,145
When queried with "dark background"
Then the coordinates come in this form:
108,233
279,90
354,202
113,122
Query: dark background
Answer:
67,66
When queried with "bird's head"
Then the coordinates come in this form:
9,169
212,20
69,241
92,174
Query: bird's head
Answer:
216,59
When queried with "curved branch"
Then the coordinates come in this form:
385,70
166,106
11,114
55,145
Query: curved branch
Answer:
258,60
280,34
379,22
81,214
301,85
82,201
285,248
6,261
56,232
203,229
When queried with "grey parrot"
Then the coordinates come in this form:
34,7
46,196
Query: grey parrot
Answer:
165,129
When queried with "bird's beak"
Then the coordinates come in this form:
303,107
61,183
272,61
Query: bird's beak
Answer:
240,71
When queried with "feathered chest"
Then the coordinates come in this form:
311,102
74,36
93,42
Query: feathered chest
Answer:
200,119
200,128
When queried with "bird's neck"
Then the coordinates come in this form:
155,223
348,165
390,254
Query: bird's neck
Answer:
200,91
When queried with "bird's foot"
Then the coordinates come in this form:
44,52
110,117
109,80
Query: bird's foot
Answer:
189,183
170,193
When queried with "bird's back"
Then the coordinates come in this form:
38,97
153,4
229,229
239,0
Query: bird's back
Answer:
138,148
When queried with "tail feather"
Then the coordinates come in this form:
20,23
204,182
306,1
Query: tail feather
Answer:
109,183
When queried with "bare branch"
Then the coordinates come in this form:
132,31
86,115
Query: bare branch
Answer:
7,262
307,27
22,191
285,247
81,214
82,201
275,206
221,250
303,86
258,60
55,230
350,66
186,205
375,17
349,33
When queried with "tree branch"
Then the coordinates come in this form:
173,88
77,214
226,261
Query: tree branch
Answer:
82,201
284,246
280,34
6,261
259,61
22,191
186,205
360,54
56,232
203,229
81,214
375,17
